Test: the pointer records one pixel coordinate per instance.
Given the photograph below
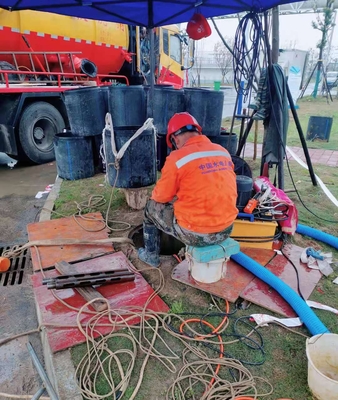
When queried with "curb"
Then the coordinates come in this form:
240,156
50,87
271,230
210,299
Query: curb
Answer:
59,366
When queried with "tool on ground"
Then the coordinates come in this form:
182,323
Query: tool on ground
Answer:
44,377
5,263
89,279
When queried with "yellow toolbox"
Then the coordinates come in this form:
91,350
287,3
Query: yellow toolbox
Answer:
246,233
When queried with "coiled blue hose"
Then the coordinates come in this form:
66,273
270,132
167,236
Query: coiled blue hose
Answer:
316,234
310,319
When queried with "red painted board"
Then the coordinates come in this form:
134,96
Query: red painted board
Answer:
235,280
63,229
263,295
120,295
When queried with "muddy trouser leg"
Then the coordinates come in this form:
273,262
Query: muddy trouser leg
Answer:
157,217
162,217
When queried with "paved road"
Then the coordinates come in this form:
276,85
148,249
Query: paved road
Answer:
18,187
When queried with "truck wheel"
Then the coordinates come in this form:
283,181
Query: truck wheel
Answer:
39,123
11,77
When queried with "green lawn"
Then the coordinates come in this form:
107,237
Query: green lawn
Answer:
285,365
308,106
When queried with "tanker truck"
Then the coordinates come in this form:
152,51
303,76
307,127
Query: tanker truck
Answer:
42,55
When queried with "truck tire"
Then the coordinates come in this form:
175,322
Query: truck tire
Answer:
39,123
11,77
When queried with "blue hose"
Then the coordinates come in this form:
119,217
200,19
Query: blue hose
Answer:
310,319
316,234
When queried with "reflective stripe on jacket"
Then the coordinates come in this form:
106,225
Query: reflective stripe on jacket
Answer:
201,176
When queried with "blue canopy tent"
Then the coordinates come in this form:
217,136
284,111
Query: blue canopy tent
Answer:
149,13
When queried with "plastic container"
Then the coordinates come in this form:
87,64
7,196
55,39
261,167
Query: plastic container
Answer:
167,102
127,105
207,107
138,165
319,128
86,109
217,85
74,156
226,140
322,355
256,230
209,272
244,191
162,151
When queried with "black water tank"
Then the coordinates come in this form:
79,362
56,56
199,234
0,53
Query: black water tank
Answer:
138,165
162,151
86,109
207,107
127,105
74,156
167,102
227,141
244,191
319,128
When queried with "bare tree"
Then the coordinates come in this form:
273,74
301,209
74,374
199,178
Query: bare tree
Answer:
223,57
198,61
323,23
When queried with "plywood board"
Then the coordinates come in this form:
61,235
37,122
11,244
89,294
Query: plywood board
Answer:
63,229
120,295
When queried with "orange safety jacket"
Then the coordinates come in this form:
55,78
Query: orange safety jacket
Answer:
201,175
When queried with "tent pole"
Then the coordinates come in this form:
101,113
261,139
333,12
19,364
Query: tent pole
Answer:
152,71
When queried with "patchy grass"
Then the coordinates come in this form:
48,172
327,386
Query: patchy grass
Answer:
285,364
308,106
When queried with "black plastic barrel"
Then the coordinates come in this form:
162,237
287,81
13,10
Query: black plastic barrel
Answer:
74,156
137,167
207,107
244,191
167,101
162,151
127,105
319,128
86,109
227,141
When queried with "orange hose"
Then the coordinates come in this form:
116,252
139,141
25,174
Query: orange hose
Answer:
215,331
177,258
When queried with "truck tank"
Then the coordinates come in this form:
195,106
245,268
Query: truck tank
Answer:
104,43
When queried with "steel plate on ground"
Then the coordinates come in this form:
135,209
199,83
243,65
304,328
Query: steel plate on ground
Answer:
235,280
63,229
263,295
120,295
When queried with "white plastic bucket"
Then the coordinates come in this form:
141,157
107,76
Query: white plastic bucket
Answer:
322,355
209,272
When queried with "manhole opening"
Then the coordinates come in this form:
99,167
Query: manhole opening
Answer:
169,244
14,276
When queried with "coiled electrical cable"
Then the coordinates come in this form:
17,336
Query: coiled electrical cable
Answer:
246,52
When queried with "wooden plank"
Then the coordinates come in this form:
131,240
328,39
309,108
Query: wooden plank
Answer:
88,293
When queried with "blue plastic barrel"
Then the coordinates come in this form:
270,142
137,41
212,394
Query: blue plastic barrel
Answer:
86,109
227,141
207,107
137,168
74,156
127,105
167,102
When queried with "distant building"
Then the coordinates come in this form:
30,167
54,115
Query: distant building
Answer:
207,70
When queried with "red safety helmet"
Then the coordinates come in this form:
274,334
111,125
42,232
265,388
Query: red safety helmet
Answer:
179,123
198,27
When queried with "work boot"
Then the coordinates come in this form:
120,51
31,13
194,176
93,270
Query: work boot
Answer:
150,253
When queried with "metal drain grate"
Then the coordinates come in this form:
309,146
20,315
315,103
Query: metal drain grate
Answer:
14,276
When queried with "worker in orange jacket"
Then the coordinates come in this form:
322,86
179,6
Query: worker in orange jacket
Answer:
195,198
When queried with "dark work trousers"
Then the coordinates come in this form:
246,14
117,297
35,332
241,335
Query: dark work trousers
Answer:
162,216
